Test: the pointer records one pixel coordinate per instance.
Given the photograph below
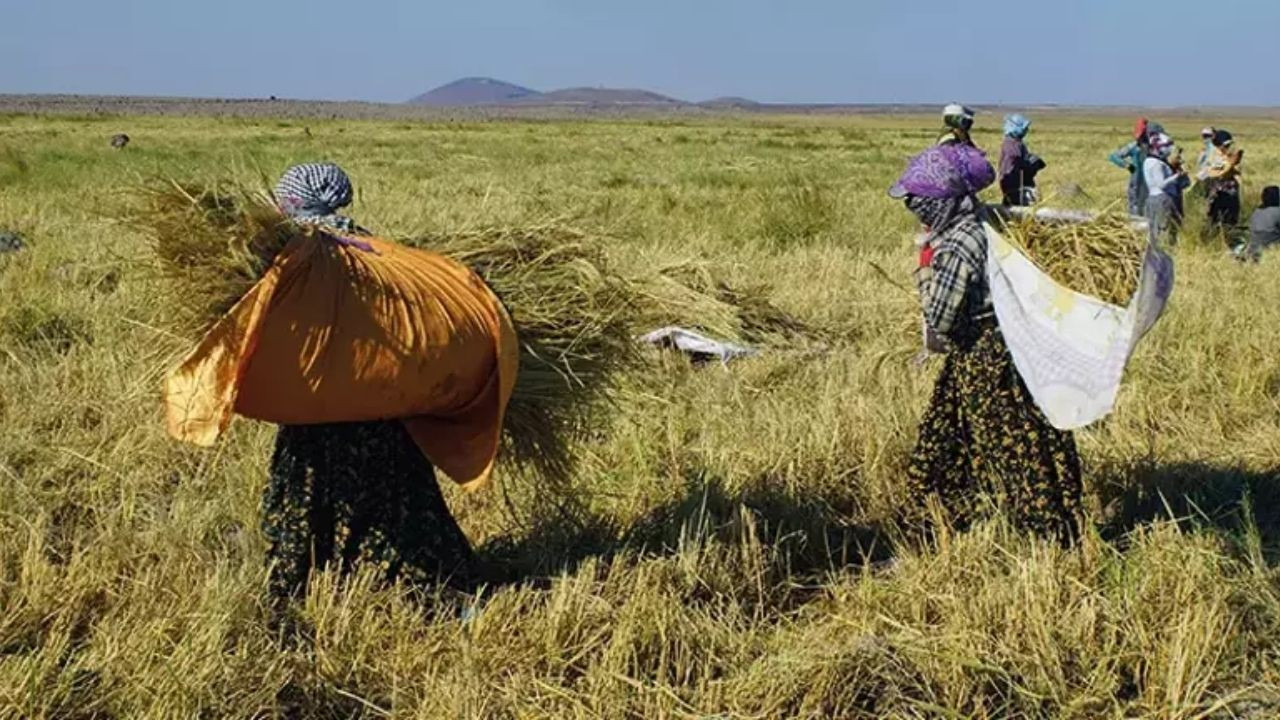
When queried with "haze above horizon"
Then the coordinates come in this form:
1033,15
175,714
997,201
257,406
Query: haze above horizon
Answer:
1090,52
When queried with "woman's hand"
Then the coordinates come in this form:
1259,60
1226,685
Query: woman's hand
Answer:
354,243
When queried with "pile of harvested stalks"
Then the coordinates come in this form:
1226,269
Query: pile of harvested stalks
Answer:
571,312
1101,257
577,318
700,299
213,244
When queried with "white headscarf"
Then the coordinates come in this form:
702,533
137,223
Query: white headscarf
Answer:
1161,145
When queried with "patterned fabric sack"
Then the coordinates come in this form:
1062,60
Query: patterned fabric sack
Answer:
1071,349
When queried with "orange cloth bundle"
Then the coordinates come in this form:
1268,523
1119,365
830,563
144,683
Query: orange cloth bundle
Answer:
333,333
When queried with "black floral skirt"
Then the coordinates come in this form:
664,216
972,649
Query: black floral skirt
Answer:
358,493
983,443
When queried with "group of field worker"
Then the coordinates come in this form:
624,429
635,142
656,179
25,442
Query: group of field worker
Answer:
1159,178
361,490
983,439
1018,165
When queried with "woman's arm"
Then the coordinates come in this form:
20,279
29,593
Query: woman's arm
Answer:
1123,158
1227,168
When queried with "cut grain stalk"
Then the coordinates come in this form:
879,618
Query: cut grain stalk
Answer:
575,315
1101,256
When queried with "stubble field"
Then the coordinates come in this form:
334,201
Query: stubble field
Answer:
729,544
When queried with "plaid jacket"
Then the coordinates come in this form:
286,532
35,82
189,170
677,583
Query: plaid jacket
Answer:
953,287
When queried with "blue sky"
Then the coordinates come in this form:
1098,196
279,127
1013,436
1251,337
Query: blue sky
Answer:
1176,52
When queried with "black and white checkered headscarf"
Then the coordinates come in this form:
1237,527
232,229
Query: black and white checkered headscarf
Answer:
313,193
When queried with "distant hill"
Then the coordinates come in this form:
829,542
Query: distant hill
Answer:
730,102
482,91
475,91
600,96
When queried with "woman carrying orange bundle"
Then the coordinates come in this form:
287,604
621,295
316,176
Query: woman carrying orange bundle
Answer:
379,362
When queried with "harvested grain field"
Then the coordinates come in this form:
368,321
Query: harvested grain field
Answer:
727,543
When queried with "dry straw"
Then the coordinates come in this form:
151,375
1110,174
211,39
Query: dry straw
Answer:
577,317
694,291
213,244
1101,257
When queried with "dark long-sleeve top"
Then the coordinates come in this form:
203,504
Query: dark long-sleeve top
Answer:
1013,157
1018,166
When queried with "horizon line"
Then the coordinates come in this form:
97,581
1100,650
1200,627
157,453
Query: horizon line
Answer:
677,101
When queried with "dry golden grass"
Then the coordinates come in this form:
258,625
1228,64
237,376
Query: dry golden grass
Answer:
1101,257
211,244
727,544
576,318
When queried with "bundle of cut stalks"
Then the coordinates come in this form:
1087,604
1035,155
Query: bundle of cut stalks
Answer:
213,244
1101,257
692,291
576,317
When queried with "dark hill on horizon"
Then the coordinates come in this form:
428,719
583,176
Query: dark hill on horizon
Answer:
732,101
479,91
600,96
474,91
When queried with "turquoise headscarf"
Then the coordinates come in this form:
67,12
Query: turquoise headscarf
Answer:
1016,126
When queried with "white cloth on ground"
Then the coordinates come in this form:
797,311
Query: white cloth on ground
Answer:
696,344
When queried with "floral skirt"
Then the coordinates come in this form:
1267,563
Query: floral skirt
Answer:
984,443
358,493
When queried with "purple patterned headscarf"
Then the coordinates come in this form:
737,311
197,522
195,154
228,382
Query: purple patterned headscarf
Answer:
945,171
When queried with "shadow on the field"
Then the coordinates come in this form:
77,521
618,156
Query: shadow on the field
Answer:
804,537
1193,494
801,536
